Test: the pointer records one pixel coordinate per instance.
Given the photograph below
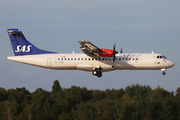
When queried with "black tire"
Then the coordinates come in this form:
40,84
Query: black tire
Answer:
99,74
163,73
94,72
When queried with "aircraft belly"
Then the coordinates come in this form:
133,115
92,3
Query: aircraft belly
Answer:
64,66
138,66
91,67
85,67
143,66
125,65
30,61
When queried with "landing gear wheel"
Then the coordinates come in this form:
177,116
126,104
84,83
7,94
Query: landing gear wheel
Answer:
99,74
94,72
163,73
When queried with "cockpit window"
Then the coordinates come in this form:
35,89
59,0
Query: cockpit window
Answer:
161,57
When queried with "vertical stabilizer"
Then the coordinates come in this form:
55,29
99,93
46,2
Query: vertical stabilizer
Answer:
21,46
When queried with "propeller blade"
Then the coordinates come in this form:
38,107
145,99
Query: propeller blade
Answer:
114,52
114,47
121,50
114,58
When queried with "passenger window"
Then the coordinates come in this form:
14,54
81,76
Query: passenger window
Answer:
74,58
102,58
85,58
71,58
136,58
78,58
95,58
99,59
68,58
122,58
109,59
132,58
129,58
58,58
119,59
89,58
157,56
81,58
61,58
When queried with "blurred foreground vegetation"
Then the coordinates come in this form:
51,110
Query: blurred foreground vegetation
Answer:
135,102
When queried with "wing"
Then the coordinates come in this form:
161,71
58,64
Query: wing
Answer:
89,49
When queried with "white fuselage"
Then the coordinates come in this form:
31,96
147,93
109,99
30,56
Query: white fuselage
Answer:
124,61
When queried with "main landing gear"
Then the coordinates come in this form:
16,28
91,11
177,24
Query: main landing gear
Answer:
97,72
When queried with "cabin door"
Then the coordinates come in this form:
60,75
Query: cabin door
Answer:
49,62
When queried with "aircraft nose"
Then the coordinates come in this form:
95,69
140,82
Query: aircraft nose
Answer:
171,64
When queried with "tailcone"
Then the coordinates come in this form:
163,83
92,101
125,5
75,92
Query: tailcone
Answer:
12,58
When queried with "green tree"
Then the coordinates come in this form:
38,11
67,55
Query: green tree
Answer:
56,86
178,92
83,112
98,95
137,91
114,94
3,94
10,110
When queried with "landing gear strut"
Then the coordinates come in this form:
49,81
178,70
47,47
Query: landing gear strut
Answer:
97,72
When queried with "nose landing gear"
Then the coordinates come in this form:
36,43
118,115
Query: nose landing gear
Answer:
163,71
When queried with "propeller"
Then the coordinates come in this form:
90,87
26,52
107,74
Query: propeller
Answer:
114,52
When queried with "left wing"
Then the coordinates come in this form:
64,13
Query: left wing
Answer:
89,49
93,51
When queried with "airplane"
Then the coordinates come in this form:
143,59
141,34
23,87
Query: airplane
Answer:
94,59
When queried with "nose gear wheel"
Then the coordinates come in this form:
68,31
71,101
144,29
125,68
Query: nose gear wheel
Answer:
164,73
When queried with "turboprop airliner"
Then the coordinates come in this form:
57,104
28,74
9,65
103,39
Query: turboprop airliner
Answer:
93,59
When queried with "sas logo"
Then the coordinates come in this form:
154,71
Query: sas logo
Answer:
23,48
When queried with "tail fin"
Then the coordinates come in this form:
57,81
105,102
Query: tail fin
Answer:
21,46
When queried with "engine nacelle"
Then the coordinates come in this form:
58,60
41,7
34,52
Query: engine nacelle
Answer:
105,53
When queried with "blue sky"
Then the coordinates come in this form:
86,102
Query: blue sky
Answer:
55,25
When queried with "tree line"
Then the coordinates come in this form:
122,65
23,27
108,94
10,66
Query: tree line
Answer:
135,102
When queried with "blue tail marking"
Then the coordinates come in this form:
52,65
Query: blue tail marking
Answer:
21,46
